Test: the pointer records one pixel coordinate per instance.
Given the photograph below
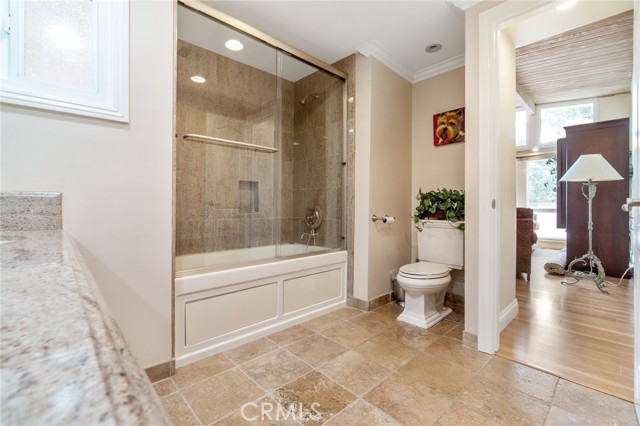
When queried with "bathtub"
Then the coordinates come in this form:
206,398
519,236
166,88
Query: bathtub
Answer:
219,307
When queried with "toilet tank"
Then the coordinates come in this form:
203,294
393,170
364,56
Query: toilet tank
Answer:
441,242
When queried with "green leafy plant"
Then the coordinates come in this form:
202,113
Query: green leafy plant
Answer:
447,204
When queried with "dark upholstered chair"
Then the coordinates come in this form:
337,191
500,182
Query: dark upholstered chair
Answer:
526,237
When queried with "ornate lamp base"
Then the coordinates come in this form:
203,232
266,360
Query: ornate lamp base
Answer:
598,279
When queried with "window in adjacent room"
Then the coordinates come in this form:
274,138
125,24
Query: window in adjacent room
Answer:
554,117
66,55
522,117
541,195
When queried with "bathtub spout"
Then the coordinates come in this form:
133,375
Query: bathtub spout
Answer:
313,234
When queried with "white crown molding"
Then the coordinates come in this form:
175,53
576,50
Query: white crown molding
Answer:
439,68
372,48
464,5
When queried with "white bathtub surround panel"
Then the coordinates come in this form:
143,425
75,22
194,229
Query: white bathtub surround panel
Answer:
30,211
312,289
204,316
219,310
64,360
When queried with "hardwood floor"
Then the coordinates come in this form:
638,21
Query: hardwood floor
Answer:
574,332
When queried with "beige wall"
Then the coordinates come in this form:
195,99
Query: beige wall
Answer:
383,149
390,178
116,181
361,180
436,167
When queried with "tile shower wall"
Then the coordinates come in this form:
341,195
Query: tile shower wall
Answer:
215,184
317,155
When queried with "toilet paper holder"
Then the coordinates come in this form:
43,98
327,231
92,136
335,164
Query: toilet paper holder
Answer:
385,219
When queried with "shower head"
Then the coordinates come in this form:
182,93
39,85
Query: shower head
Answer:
304,100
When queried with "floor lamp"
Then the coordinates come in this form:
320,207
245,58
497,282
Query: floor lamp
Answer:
589,169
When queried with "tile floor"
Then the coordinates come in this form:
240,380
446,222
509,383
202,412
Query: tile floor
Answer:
351,367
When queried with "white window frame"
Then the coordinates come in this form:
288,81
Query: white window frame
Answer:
539,108
107,99
527,146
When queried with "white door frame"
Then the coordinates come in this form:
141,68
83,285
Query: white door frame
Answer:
635,151
490,22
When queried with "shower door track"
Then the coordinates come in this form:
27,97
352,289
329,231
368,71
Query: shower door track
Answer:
193,136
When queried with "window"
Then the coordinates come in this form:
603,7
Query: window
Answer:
541,196
522,117
553,119
66,55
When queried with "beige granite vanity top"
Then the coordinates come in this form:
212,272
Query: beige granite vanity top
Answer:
63,360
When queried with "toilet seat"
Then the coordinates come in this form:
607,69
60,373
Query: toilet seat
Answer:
424,271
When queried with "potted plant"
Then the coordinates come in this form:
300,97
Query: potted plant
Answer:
440,204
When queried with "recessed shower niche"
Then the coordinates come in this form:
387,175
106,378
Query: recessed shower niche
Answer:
248,197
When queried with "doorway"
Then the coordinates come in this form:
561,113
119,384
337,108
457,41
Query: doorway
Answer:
490,22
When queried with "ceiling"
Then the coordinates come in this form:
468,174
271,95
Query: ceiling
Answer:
591,61
396,32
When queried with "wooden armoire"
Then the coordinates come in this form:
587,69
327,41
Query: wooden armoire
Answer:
610,222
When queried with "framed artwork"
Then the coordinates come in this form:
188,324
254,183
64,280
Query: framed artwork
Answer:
448,127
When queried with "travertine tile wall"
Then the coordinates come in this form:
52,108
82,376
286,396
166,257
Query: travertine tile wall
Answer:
240,103
317,159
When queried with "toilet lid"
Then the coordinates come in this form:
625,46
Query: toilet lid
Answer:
424,270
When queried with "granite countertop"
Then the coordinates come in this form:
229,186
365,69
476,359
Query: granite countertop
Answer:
63,359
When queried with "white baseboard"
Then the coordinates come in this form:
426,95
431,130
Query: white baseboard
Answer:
508,314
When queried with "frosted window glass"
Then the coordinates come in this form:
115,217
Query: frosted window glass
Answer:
59,42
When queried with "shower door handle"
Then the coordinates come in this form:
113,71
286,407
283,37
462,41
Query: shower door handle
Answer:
631,202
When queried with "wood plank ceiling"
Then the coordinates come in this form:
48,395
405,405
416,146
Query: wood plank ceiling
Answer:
591,61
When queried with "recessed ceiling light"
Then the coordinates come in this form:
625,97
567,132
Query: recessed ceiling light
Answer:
566,4
432,48
234,45
198,79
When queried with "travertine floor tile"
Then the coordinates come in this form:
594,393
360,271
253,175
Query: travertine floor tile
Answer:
321,323
457,315
290,335
347,334
388,353
320,397
591,407
461,415
440,375
443,326
512,376
454,351
374,322
345,313
408,401
179,412
164,387
220,395
362,413
505,407
391,310
201,370
355,372
413,336
455,332
265,412
275,369
316,350
251,350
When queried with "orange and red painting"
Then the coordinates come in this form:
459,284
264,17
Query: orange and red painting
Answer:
448,127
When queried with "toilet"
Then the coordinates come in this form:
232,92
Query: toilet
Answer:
440,249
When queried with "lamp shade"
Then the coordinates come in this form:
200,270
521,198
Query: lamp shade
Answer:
591,167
